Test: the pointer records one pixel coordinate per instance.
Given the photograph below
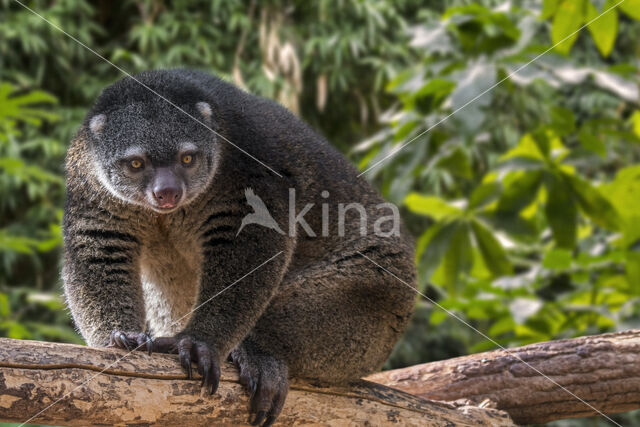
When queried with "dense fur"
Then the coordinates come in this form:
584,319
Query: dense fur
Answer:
318,310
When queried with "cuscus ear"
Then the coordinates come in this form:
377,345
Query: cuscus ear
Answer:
96,124
205,111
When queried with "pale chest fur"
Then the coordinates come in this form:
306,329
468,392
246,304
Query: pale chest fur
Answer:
171,263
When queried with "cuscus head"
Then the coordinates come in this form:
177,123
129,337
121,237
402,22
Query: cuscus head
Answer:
153,154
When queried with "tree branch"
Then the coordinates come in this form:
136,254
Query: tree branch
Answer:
66,384
603,370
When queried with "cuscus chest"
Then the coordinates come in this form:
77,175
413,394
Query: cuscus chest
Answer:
170,246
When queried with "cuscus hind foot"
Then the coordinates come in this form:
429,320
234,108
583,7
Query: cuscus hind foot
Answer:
266,381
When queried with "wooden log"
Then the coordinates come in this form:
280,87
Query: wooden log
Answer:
603,370
66,384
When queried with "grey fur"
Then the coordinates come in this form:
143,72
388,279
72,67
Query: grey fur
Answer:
318,311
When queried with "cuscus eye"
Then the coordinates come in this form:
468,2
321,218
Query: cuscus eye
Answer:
187,158
136,163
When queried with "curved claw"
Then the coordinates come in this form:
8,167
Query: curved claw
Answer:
118,341
269,421
128,340
207,366
252,388
122,338
204,371
206,358
150,343
184,352
260,416
268,393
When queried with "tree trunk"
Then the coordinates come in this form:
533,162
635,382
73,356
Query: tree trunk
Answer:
603,370
66,384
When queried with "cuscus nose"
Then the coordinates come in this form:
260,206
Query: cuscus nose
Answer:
167,197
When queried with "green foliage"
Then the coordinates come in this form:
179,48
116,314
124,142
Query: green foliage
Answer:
24,181
527,189
29,230
309,55
570,16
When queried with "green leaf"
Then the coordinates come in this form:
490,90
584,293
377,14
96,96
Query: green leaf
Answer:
635,122
21,106
605,28
492,252
15,330
502,326
484,194
520,192
593,204
458,259
632,268
438,316
631,8
457,163
436,247
479,270
18,244
502,21
517,225
431,206
547,138
568,19
407,81
5,308
557,259
591,142
527,148
561,211
624,194
519,163
549,8
563,121
437,88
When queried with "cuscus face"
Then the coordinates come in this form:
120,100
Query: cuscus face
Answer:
154,155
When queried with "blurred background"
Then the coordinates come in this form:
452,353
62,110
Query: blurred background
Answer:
525,203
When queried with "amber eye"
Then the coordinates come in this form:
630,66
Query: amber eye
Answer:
187,158
136,164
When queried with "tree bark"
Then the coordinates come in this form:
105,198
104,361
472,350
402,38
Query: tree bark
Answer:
66,384
602,370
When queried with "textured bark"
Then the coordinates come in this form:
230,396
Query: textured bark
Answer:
67,384
603,370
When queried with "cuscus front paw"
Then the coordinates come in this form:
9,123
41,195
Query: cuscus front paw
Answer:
130,341
187,347
192,350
